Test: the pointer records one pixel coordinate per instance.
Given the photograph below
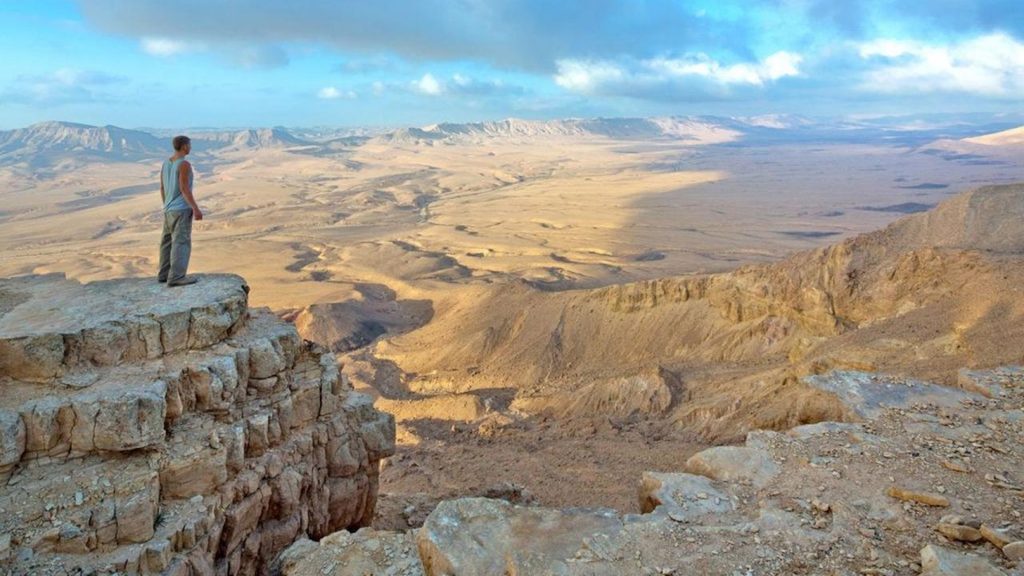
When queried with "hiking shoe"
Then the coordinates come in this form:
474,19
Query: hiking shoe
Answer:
184,281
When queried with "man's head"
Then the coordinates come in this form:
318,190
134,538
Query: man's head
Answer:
182,144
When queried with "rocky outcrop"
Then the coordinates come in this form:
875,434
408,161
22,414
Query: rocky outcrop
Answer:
153,430
826,498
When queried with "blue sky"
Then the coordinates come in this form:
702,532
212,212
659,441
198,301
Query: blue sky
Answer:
190,63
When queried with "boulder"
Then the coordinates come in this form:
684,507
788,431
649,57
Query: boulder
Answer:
734,463
481,537
366,551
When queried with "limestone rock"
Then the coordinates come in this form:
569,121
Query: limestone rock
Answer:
867,395
683,497
926,498
155,431
939,561
54,324
367,551
808,430
12,440
734,463
480,537
998,538
959,532
1014,551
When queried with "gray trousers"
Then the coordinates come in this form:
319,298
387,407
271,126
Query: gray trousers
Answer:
175,245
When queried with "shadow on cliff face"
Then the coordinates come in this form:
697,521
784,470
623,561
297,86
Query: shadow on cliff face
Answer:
346,326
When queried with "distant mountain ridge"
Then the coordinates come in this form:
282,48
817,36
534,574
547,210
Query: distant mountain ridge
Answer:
678,128
253,138
46,140
54,142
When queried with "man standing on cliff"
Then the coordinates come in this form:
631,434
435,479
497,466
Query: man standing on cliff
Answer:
179,209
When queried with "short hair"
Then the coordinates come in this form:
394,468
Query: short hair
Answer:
179,142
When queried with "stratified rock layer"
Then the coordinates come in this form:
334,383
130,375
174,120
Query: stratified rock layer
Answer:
145,429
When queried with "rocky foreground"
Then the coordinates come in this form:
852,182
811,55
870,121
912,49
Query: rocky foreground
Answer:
930,480
171,431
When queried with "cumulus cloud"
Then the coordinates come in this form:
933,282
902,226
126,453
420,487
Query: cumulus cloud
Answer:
693,76
428,85
990,65
332,93
457,85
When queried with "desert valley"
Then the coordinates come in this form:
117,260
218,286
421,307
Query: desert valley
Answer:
554,311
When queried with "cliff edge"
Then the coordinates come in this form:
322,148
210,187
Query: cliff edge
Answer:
148,430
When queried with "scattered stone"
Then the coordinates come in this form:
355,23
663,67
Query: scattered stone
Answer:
955,466
998,538
1014,550
939,561
926,498
959,532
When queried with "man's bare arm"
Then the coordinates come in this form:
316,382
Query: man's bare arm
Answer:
163,199
184,179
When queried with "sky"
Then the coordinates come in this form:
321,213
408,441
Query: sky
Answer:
232,63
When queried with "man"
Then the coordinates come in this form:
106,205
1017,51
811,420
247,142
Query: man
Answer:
179,209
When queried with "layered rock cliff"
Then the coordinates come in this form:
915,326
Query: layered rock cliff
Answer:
922,298
153,430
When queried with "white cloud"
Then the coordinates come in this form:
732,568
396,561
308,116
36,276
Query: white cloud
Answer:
428,85
990,65
332,93
585,76
599,76
241,54
774,67
163,47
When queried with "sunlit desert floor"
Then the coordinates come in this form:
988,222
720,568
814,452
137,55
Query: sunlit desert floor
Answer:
398,236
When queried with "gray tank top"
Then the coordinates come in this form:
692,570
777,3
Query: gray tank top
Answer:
173,199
